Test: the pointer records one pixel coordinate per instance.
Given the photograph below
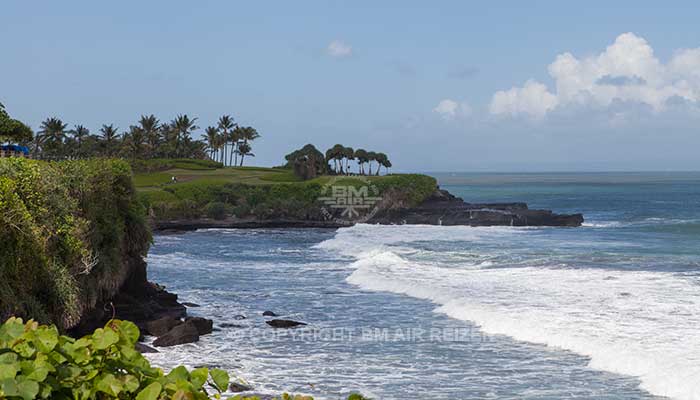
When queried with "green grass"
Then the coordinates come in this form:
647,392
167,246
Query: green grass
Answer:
256,191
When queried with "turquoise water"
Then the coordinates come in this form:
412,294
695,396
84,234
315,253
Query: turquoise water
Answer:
610,310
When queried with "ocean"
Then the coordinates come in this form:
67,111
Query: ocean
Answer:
610,310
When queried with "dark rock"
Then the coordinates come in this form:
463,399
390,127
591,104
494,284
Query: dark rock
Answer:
236,387
190,305
142,348
203,325
269,314
442,208
228,325
181,334
161,326
239,317
283,323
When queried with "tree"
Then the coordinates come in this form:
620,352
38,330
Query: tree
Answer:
381,159
80,135
362,158
349,154
244,150
336,153
247,134
306,162
183,127
371,156
226,125
134,141
150,125
212,138
12,130
109,139
51,137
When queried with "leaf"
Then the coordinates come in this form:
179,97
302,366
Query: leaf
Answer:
128,330
221,379
199,377
103,338
46,338
8,371
109,384
9,387
150,392
179,373
11,329
28,389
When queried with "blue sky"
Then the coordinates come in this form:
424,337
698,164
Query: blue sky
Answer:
438,86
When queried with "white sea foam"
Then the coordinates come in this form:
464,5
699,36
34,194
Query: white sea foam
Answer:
640,323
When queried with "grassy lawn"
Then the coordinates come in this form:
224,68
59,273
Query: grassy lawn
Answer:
249,175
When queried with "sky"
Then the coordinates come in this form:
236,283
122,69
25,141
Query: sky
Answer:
438,86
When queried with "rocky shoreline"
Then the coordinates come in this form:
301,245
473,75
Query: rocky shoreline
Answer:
441,208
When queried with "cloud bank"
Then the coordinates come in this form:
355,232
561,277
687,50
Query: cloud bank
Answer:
449,109
626,72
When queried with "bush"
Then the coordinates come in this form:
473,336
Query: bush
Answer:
162,164
216,210
37,362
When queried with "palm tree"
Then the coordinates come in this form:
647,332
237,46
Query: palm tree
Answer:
212,138
110,135
183,128
247,134
244,150
80,134
152,131
134,141
51,136
226,124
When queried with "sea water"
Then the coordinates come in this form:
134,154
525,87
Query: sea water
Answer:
610,310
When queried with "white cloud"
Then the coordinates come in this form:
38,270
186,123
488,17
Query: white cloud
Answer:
339,49
449,109
627,71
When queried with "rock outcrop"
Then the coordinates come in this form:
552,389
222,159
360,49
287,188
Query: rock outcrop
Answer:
442,208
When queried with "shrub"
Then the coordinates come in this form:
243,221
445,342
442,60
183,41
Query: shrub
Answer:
37,362
68,231
216,210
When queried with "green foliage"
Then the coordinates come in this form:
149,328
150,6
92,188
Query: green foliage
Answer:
67,232
37,362
12,130
216,210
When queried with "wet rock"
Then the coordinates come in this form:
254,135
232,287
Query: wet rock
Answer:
190,305
284,323
161,326
143,348
181,334
269,314
229,325
203,325
236,387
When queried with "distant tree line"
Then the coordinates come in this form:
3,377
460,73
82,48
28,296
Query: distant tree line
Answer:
148,138
308,162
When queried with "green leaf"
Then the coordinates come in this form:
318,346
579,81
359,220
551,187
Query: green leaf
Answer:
199,377
150,392
179,373
46,338
109,384
9,387
8,371
128,330
221,379
28,389
103,338
11,329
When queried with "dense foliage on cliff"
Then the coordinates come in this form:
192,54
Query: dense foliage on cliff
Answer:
71,234
265,194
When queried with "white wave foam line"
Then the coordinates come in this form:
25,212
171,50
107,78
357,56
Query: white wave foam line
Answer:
643,324
364,238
